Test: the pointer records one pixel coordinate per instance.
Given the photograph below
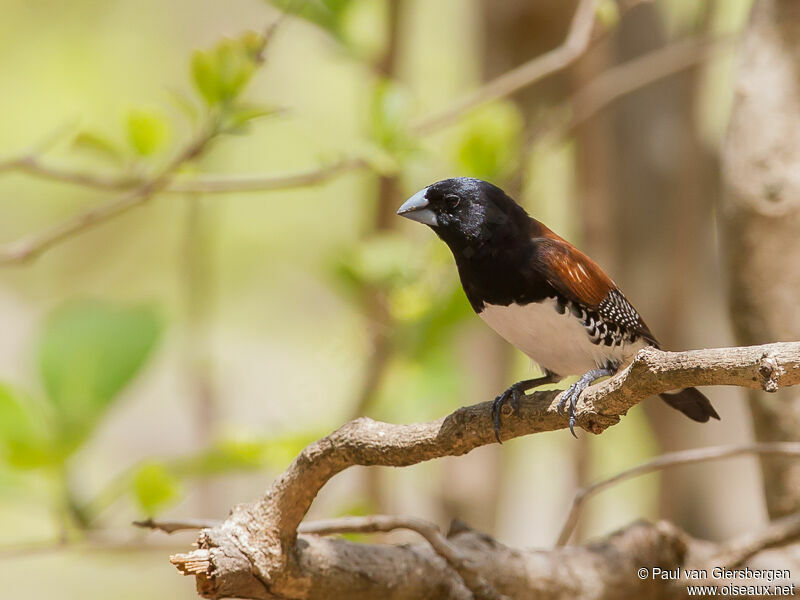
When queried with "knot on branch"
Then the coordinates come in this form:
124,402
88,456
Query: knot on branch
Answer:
597,423
770,372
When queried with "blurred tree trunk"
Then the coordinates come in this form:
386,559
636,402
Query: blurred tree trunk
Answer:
760,220
514,31
594,162
378,326
663,181
645,191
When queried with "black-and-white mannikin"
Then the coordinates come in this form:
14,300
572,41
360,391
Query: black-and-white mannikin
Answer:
539,292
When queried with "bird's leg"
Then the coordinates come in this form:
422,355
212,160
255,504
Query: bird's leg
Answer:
513,394
574,391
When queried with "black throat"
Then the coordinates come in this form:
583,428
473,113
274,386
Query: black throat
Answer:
501,270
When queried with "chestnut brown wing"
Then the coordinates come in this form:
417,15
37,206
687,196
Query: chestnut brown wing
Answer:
581,280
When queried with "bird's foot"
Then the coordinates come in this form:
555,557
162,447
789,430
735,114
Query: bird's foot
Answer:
512,396
573,392
570,398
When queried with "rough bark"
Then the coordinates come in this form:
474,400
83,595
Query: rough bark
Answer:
256,552
760,219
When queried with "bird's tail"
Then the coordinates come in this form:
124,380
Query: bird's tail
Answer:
692,403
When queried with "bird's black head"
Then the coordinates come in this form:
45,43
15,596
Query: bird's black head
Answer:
466,212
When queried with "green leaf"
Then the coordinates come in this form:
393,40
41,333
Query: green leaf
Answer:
448,309
155,487
204,76
221,73
88,353
326,14
235,67
25,440
382,261
389,112
147,131
488,142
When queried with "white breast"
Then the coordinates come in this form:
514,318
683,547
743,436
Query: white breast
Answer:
558,342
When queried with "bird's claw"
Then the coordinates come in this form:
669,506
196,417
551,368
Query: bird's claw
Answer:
570,398
511,395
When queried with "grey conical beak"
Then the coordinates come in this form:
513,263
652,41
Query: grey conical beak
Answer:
416,209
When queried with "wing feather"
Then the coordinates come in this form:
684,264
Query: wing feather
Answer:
573,274
581,280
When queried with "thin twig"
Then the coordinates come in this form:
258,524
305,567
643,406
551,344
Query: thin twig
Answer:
269,32
93,544
32,164
173,526
432,534
779,532
30,247
538,68
666,461
623,79
263,183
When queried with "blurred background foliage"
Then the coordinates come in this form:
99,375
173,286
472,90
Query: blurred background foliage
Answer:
174,360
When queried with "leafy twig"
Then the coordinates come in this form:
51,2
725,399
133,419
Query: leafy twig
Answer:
30,247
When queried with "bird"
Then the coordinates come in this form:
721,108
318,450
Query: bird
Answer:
539,292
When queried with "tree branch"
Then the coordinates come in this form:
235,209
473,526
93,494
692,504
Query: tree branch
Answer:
263,183
665,461
779,532
538,68
171,527
31,246
32,164
625,78
440,544
256,552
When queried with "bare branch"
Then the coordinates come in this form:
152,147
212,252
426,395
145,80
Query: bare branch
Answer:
666,461
632,75
261,538
263,183
30,247
779,532
32,164
555,60
384,523
173,526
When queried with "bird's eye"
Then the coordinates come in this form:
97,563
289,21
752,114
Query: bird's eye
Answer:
451,200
